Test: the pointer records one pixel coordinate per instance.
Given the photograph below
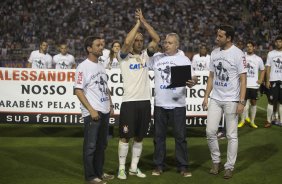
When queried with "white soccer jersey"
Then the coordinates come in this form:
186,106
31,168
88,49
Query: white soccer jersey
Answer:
40,60
92,79
63,61
172,97
201,63
274,60
227,65
136,83
254,65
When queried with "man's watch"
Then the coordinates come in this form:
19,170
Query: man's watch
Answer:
243,102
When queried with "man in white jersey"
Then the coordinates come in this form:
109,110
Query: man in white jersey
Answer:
64,60
201,61
40,58
106,54
135,112
274,78
227,81
255,76
96,106
170,104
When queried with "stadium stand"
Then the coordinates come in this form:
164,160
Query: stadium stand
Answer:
24,22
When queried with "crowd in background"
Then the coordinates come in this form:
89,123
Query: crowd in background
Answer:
25,22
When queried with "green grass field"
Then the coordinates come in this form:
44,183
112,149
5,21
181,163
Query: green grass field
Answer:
36,154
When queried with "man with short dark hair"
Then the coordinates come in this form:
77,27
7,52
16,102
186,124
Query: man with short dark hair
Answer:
274,79
227,80
40,58
255,76
96,106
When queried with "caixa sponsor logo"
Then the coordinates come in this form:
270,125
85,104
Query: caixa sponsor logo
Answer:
136,66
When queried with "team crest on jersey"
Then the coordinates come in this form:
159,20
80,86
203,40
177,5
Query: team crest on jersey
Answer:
125,129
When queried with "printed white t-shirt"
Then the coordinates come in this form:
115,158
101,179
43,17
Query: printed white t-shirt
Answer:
92,79
254,65
201,63
171,97
136,83
227,65
40,60
63,61
274,60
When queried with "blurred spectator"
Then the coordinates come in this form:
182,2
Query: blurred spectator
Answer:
40,58
64,60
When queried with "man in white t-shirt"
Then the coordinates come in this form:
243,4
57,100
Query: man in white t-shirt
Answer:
135,112
255,76
96,106
274,80
227,82
64,60
40,58
201,61
170,104
106,54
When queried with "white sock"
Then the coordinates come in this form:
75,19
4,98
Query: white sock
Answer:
280,112
246,109
136,153
269,112
253,110
122,154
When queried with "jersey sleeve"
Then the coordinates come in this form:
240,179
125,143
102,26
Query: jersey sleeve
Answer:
261,65
49,62
242,62
268,60
31,57
79,78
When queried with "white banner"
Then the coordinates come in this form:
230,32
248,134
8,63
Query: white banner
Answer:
40,91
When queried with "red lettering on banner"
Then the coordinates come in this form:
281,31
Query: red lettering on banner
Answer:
51,76
71,76
61,76
79,78
42,76
16,75
7,75
32,76
36,75
24,75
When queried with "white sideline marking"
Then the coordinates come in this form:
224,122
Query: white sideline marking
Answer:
261,108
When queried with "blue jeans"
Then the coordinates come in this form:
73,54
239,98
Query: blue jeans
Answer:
94,146
161,119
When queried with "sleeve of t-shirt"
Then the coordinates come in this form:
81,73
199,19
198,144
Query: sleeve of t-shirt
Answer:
54,60
261,65
194,65
211,67
49,63
72,60
150,62
31,57
79,78
268,60
242,63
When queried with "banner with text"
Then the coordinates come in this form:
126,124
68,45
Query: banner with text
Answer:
46,96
